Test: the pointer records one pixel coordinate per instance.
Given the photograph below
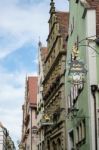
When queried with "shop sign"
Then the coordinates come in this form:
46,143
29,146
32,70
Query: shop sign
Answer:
46,120
77,72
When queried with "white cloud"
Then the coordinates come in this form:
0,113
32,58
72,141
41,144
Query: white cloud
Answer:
19,25
12,92
24,24
12,125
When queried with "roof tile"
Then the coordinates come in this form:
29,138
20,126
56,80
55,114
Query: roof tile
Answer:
32,89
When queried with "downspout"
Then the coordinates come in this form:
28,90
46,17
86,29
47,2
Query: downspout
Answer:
31,126
93,91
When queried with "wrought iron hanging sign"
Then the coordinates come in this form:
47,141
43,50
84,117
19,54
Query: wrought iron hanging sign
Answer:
77,70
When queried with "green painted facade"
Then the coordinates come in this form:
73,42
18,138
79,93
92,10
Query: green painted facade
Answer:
77,29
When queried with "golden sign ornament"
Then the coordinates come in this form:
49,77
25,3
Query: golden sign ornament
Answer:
46,117
75,51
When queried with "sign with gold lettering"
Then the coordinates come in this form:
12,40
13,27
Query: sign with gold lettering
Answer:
77,72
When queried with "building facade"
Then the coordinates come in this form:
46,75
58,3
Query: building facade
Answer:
6,142
29,126
40,103
81,79
54,79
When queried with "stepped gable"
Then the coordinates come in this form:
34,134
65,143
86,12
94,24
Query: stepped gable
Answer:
63,20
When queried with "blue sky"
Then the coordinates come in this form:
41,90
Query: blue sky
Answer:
22,22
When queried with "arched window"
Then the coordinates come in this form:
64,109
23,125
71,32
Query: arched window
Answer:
54,146
59,146
48,144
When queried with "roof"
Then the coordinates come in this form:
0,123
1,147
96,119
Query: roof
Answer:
63,20
32,83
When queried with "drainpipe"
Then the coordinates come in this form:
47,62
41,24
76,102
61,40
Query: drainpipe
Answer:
94,89
31,126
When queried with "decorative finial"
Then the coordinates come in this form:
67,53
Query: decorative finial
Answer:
52,9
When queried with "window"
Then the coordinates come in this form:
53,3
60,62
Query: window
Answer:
77,1
83,129
43,146
34,130
72,26
27,147
59,145
69,103
77,135
38,147
36,114
72,98
81,133
71,140
39,68
98,127
54,146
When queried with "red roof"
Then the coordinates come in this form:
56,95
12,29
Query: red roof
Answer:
63,20
32,83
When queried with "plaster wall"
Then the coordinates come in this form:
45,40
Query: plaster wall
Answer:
92,74
81,28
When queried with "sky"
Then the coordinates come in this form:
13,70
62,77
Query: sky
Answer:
22,24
